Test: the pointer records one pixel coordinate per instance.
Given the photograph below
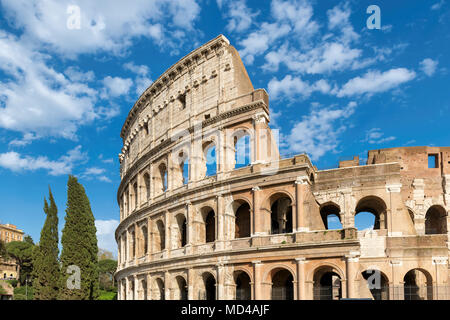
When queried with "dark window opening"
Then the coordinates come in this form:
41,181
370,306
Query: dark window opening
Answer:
433,161
182,99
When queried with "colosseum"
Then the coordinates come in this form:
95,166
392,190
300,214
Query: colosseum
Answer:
209,209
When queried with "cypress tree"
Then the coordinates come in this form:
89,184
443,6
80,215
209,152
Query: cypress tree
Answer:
45,255
79,246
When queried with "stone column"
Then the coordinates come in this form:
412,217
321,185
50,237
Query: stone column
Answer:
396,290
352,270
220,222
149,239
260,134
136,244
167,228
301,279
167,285
220,282
149,287
136,287
301,187
119,290
190,227
258,295
256,222
190,284
395,202
440,287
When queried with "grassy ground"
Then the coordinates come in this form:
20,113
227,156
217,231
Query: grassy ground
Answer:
107,295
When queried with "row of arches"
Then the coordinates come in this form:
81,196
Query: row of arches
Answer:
180,173
370,213
327,285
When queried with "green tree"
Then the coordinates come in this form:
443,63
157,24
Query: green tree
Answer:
3,251
107,268
23,253
45,256
79,246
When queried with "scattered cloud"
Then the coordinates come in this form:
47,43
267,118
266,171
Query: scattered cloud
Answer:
116,86
103,27
19,163
437,5
95,173
240,17
375,81
142,80
318,132
376,136
291,87
428,66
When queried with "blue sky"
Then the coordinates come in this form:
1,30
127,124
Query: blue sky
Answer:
337,88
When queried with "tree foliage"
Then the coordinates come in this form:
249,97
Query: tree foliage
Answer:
79,246
23,253
107,268
45,256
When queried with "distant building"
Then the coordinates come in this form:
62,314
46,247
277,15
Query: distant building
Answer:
9,232
9,269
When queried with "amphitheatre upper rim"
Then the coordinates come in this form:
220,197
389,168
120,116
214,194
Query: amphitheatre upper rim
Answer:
217,40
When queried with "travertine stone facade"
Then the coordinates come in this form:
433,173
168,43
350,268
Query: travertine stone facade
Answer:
209,210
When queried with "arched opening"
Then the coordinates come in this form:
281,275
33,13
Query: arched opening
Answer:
185,170
282,285
210,226
125,251
418,285
159,292
281,214
436,220
327,284
209,155
210,286
135,194
160,240
132,289
162,181
181,292
242,150
331,216
243,286
145,239
147,186
143,289
181,234
242,221
132,244
377,283
370,213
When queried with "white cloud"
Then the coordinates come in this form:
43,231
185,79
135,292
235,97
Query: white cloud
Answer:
428,66
318,132
35,98
375,136
64,165
375,81
339,19
326,58
291,87
142,80
258,41
75,74
239,16
105,234
95,173
437,5
116,86
103,27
